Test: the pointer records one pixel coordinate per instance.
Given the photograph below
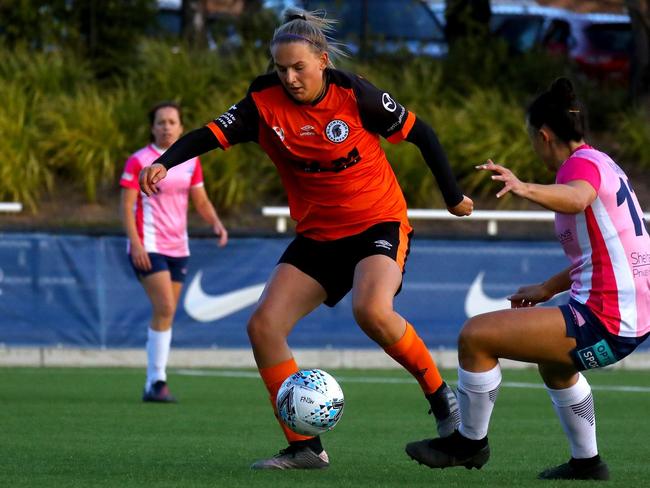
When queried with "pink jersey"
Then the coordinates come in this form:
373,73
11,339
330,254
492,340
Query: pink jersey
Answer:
161,219
608,245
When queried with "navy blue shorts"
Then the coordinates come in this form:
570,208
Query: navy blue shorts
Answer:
596,346
177,267
332,263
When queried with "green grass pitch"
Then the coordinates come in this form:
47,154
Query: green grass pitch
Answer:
74,427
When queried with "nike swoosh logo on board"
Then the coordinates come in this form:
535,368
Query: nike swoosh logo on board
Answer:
478,302
207,308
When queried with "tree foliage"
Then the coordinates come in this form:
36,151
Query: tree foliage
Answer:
104,32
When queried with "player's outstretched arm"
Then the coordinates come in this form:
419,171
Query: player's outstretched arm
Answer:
192,144
424,137
570,198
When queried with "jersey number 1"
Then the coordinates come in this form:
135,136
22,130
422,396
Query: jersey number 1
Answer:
624,194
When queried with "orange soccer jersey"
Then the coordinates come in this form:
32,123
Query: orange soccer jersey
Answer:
336,175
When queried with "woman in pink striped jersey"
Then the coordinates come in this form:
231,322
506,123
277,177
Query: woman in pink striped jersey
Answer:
600,226
156,228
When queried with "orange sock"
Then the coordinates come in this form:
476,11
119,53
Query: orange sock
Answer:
411,353
273,377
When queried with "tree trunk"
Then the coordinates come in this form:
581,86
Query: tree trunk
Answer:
639,11
194,22
467,18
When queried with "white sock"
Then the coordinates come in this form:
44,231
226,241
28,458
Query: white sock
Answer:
575,408
477,393
158,345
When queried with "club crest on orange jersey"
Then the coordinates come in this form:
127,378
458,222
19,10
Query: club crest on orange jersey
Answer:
337,131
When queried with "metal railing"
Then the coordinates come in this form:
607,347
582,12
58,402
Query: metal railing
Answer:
492,217
13,207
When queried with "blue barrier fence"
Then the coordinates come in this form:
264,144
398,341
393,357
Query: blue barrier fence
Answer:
80,291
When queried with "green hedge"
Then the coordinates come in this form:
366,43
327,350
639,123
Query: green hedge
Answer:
62,128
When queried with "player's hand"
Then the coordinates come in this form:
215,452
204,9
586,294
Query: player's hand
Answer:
140,258
501,173
221,232
464,208
149,178
528,296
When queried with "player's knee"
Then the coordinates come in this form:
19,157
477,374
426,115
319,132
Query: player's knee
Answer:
260,328
371,318
165,309
470,337
255,328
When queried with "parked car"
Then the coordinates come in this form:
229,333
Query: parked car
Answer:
600,44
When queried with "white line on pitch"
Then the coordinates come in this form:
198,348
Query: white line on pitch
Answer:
386,380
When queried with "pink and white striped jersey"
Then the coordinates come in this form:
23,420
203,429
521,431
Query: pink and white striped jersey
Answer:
608,245
161,219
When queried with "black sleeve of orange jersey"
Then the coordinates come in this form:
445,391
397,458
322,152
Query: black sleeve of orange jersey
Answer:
240,123
424,137
379,112
192,144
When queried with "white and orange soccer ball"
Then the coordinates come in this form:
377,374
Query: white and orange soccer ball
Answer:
310,402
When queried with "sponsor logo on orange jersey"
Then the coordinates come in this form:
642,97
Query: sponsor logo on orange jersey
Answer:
383,243
307,130
389,104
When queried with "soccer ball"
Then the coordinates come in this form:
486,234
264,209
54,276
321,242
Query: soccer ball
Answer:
310,402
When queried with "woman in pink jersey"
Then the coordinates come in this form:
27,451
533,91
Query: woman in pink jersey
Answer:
600,226
156,228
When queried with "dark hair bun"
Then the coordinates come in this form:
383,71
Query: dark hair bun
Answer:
559,109
295,17
563,93
293,13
